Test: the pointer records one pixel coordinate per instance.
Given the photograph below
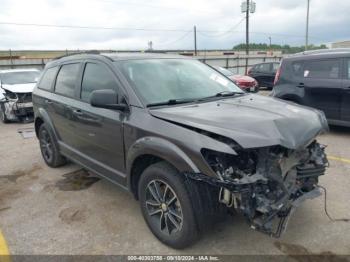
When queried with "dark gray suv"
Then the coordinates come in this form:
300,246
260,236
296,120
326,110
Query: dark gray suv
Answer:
182,138
319,79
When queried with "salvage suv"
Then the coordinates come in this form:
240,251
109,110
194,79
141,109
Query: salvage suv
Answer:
182,138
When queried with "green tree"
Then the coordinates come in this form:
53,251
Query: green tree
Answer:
286,49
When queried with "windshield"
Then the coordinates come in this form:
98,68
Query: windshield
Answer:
161,80
24,77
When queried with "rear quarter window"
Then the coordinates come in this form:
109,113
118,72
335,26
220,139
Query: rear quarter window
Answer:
264,68
297,69
66,79
48,78
325,69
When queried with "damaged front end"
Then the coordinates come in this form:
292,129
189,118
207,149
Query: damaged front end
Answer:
266,184
17,106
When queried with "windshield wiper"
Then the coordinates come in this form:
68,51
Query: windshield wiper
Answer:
223,94
182,101
171,102
228,93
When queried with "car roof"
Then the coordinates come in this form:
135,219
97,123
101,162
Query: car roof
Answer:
321,53
20,70
114,56
273,62
130,56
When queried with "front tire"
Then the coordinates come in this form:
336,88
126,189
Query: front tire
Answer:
167,207
49,148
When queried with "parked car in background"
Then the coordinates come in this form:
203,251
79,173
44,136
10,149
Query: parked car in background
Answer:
246,83
319,79
264,73
182,138
16,87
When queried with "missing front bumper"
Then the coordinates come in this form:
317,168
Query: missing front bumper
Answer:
18,111
239,197
267,197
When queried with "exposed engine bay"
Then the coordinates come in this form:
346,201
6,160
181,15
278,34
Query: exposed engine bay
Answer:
17,106
16,88
266,184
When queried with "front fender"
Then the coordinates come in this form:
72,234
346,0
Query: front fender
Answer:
163,149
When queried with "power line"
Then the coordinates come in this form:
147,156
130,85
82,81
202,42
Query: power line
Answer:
231,30
175,41
144,29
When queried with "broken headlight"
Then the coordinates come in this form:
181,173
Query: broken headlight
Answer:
228,166
10,95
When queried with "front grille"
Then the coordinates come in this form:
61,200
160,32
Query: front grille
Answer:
24,98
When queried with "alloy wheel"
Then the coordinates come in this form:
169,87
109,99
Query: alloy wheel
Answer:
46,145
163,207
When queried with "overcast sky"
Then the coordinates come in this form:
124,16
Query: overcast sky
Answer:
168,24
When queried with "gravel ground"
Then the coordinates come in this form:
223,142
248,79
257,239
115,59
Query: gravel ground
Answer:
67,211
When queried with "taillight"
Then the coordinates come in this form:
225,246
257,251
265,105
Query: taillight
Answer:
277,76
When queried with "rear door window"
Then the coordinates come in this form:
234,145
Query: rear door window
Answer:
96,77
264,68
48,78
66,79
326,69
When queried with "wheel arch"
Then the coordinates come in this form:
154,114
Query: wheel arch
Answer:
42,117
149,150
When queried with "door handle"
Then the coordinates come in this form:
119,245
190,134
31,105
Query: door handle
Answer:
47,101
301,85
77,112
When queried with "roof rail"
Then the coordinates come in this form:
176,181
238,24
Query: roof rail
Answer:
91,52
324,51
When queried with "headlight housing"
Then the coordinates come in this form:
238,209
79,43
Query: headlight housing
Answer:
10,95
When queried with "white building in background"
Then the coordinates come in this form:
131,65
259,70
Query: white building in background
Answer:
342,44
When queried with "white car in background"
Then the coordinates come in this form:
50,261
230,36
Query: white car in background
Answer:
16,87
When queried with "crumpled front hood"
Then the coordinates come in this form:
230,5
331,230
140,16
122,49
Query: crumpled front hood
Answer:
251,120
20,88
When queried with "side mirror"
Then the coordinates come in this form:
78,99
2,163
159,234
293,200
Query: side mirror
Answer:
106,98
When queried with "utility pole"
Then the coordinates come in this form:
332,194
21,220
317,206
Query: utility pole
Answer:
150,46
248,6
11,58
307,26
247,37
270,41
195,40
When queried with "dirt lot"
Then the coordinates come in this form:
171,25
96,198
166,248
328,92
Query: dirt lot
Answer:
62,211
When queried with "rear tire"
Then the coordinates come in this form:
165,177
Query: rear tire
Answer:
49,147
3,116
